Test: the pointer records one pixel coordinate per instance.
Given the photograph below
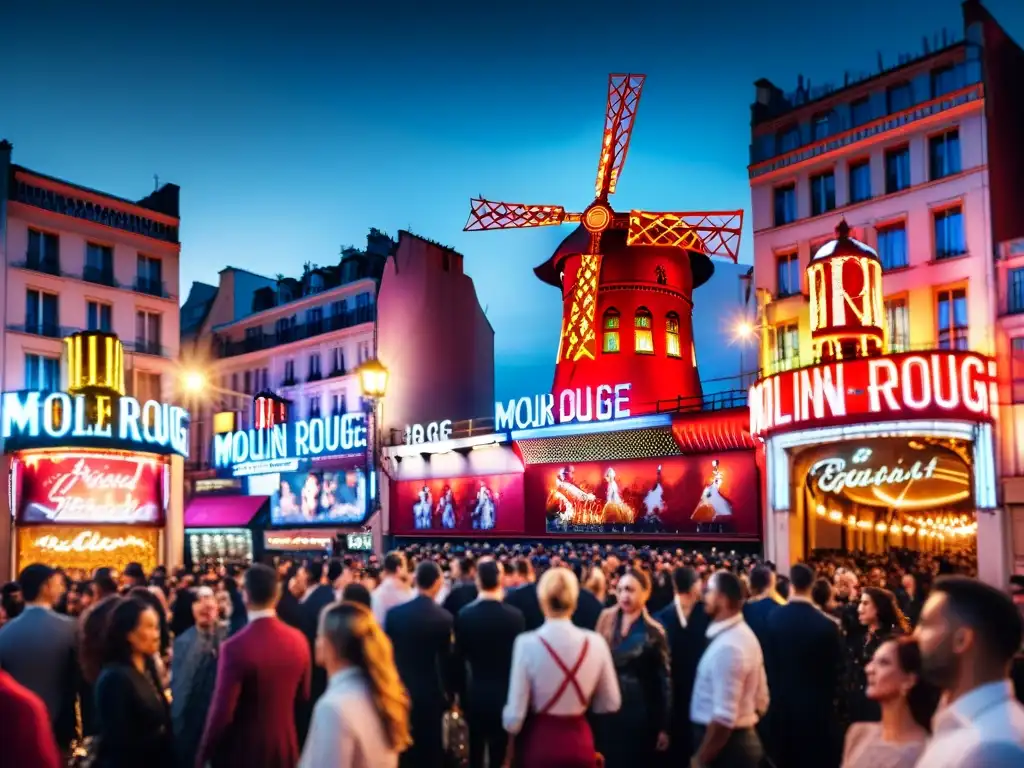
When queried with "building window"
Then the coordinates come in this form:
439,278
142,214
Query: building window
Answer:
265,383
1015,291
823,193
949,233
289,373
247,382
892,246
643,331
944,80
338,361
99,264
821,125
789,139
611,331
860,181
672,348
339,308
786,344
147,332
314,366
98,317
315,319
788,271
899,97
860,111
944,154
952,319
42,314
149,276
42,373
1017,368
338,405
314,407
147,386
898,320
283,329
897,169
785,204
43,252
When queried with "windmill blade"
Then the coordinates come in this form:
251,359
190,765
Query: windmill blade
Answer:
487,214
623,99
715,233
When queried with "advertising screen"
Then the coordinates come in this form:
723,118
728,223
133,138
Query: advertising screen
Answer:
89,547
90,488
489,504
672,495
319,496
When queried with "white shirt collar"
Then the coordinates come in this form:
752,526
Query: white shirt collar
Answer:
266,613
38,606
309,591
718,627
495,595
683,621
968,707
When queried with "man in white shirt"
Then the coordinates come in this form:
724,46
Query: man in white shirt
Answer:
968,634
393,588
731,690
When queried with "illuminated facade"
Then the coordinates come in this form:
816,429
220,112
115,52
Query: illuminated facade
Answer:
917,160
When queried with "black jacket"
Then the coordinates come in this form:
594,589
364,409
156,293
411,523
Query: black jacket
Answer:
310,609
685,646
134,720
588,610
525,599
421,633
485,631
462,594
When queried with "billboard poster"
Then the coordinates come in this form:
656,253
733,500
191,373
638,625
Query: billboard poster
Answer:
316,497
707,494
89,487
488,504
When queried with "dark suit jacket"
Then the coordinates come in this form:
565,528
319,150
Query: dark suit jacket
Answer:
462,594
38,650
757,614
588,609
685,646
485,631
262,674
311,607
134,720
525,599
289,611
421,633
806,649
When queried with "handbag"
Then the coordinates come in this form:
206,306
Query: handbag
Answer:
455,736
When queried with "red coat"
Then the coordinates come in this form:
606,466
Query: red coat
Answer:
28,737
262,673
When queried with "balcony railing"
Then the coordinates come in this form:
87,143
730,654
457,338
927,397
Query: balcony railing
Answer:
49,330
261,340
49,266
100,276
145,347
151,287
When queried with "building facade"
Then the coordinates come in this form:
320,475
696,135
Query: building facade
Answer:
907,156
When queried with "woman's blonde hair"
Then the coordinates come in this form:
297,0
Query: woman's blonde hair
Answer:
356,637
558,590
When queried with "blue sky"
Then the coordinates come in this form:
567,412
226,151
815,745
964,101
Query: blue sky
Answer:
293,128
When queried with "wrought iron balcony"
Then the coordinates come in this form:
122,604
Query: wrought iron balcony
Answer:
49,266
145,347
100,276
151,287
254,342
49,330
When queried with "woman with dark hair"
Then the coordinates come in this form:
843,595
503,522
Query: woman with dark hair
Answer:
906,703
356,593
880,617
132,711
182,619
92,639
161,660
639,730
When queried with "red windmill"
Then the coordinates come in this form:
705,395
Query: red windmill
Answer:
641,266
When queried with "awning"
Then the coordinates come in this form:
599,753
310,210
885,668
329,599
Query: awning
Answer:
222,511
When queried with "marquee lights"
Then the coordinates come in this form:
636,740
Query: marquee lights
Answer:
88,541
314,437
59,416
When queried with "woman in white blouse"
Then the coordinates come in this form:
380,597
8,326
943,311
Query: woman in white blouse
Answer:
362,720
558,672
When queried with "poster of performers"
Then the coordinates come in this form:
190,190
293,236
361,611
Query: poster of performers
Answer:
486,505
714,495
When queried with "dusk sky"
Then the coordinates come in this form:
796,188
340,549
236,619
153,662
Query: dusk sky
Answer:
294,127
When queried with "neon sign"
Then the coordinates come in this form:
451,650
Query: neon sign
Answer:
302,541
431,433
580,404
319,436
31,418
941,384
88,541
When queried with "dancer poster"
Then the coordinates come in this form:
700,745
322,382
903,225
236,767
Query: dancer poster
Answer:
713,495
485,505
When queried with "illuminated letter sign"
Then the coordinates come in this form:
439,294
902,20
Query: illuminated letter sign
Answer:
578,404
320,436
64,419
431,433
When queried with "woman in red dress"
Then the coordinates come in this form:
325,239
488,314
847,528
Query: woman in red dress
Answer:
559,672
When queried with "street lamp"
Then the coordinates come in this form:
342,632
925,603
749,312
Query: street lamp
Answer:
193,382
373,380
744,329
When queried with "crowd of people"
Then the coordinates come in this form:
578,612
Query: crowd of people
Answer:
499,655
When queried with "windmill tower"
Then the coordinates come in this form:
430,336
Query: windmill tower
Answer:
627,279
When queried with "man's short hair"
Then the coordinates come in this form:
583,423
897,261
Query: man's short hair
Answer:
488,574
135,571
986,610
335,568
760,579
729,586
427,574
467,565
315,569
261,584
821,592
524,567
509,568
32,580
393,562
356,593
683,579
801,577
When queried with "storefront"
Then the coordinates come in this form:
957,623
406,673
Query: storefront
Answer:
94,476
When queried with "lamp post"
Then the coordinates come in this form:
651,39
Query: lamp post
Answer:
373,380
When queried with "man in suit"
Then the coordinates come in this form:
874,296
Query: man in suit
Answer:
525,597
686,625
38,648
262,676
463,591
318,595
807,654
485,631
588,607
761,603
421,633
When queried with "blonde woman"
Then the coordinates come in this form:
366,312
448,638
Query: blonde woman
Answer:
362,720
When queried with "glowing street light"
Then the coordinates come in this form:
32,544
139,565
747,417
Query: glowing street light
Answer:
193,382
373,379
744,329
